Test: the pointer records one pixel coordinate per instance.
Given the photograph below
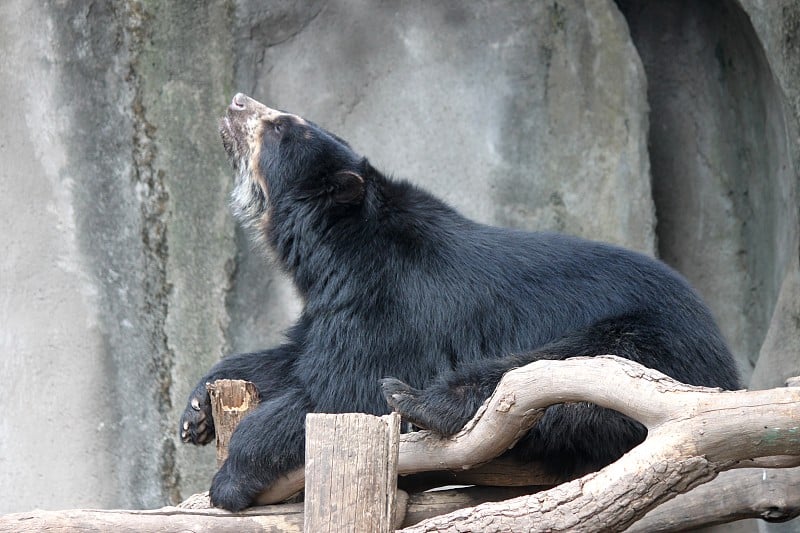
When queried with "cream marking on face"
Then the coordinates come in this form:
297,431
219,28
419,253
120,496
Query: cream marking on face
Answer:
253,134
250,187
251,190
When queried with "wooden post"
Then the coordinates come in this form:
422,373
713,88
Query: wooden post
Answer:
231,399
351,472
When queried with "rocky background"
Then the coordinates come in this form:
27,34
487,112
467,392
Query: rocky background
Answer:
667,126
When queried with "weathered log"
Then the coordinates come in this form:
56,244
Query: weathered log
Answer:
500,472
503,471
770,494
693,434
285,518
423,505
351,483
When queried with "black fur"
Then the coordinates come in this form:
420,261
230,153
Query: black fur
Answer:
396,284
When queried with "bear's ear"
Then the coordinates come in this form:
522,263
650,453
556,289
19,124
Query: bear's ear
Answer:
346,187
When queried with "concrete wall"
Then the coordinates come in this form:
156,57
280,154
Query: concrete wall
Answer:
668,127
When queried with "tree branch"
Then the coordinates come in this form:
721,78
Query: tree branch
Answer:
772,495
693,434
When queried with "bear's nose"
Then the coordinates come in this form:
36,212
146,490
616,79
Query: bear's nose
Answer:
239,101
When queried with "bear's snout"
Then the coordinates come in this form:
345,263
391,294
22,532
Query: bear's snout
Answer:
243,106
239,102
241,127
243,103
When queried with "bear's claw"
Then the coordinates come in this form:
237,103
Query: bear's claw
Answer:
405,400
197,425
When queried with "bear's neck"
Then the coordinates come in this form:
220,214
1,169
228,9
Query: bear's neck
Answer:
328,251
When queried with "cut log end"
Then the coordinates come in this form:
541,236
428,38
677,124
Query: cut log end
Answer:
231,400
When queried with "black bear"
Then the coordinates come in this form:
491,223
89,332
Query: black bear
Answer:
406,300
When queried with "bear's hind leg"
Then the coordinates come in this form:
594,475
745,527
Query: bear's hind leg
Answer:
447,404
574,438
268,443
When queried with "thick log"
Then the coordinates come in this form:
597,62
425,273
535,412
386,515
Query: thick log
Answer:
500,472
351,483
286,518
770,492
423,505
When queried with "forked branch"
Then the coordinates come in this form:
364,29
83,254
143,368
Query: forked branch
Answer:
693,434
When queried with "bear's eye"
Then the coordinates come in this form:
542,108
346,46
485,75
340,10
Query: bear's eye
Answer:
277,127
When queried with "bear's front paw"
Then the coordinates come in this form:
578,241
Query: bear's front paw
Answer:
229,493
197,425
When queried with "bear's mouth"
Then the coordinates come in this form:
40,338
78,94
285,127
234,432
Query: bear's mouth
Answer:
228,136
230,141
241,131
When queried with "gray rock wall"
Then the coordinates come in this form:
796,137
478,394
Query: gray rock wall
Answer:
530,117
721,154
56,359
124,277
777,25
120,246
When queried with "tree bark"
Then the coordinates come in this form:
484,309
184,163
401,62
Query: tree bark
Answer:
351,483
500,472
231,400
693,434
286,518
770,494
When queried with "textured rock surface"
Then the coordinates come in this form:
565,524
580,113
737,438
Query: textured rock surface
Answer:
123,278
115,278
182,77
722,157
777,25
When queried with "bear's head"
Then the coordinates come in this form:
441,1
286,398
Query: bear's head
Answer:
281,159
